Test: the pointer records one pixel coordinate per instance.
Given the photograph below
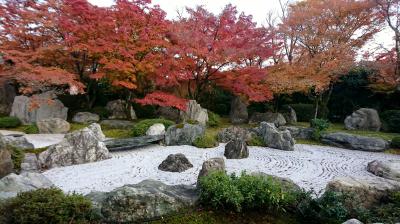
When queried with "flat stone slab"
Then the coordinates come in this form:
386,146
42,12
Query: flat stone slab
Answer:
131,143
38,140
311,167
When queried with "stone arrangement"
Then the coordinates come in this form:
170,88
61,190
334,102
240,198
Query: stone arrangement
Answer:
276,118
276,139
175,163
236,149
183,134
194,112
363,119
238,113
53,126
118,110
85,118
355,142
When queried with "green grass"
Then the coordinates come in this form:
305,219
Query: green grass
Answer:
117,133
309,142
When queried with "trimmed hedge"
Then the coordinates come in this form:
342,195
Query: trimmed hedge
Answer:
9,122
140,128
46,206
391,120
304,112
214,120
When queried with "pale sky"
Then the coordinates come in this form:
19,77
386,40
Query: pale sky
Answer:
257,8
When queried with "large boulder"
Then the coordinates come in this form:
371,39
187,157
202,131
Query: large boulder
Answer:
119,109
169,113
363,119
156,129
353,221
6,163
387,169
85,118
363,192
211,165
30,163
355,142
183,134
7,94
81,146
194,112
232,133
238,113
274,138
53,126
175,163
142,202
276,118
38,107
290,115
298,132
236,149
13,184
117,124
16,141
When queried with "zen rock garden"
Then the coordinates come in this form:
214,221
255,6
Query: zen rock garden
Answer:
121,114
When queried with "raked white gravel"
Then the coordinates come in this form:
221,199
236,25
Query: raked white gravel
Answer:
311,167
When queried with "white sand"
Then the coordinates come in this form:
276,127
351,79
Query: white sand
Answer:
311,167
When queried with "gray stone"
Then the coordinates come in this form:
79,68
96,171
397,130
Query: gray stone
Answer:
6,163
233,132
53,126
30,163
175,163
81,146
183,134
236,149
194,112
211,165
156,129
387,169
38,107
13,184
355,142
276,139
16,141
364,193
132,143
7,94
117,124
352,221
290,115
142,202
169,113
238,113
85,118
276,118
119,109
298,132
363,119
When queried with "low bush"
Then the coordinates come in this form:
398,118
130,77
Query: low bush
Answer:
386,212
206,141
246,192
319,125
391,120
304,112
214,120
17,156
256,141
46,206
9,122
31,129
395,142
140,128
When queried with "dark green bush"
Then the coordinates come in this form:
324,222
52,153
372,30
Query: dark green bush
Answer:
101,111
396,142
391,120
206,141
319,125
144,111
304,112
246,192
31,129
47,206
214,120
140,128
17,156
9,122
256,141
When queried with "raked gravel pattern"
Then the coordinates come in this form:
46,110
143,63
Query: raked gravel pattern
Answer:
311,167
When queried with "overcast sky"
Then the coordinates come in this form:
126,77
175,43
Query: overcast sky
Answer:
257,8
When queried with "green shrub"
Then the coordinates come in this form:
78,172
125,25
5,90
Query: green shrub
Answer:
9,122
396,142
206,141
214,120
256,141
17,156
31,129
140,128
319,125
304,112
47,206
387,212
101,111
246,192
391,120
